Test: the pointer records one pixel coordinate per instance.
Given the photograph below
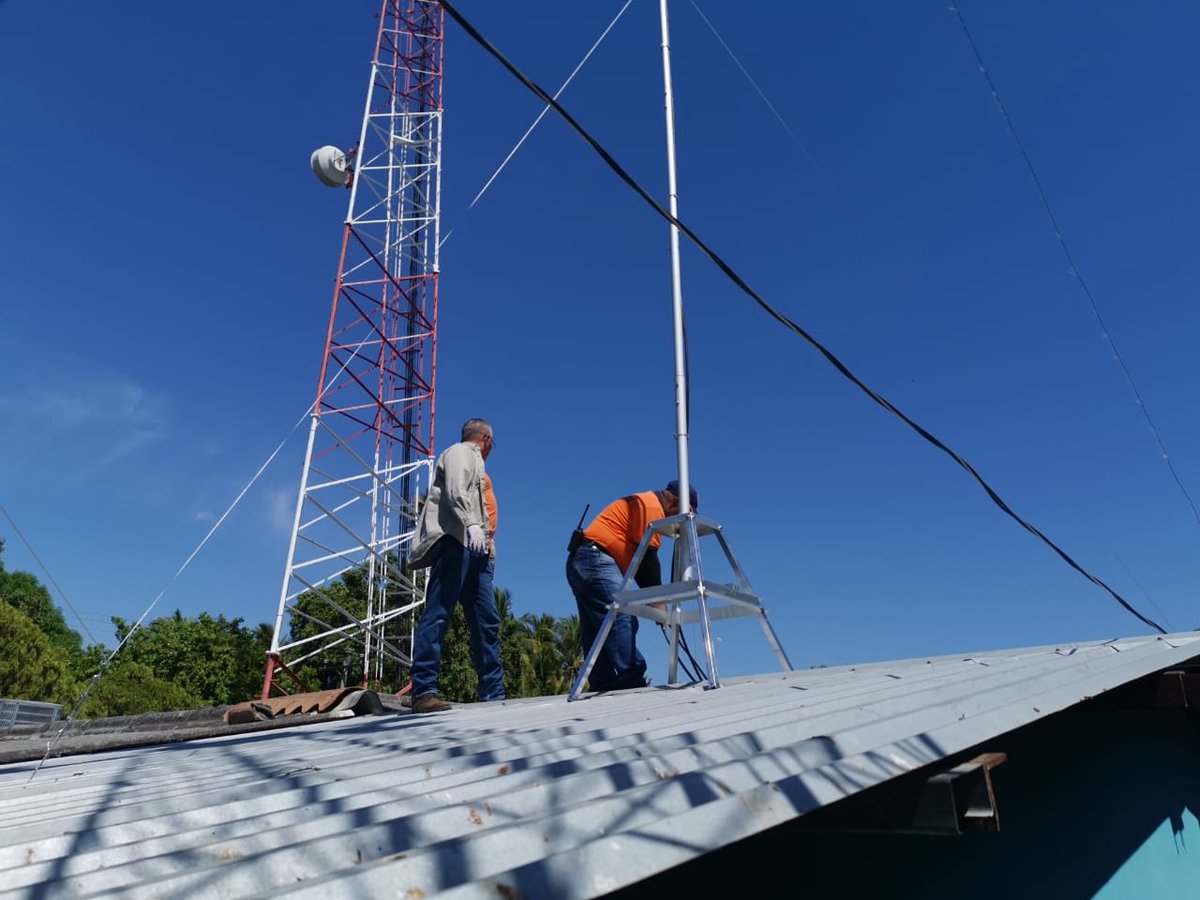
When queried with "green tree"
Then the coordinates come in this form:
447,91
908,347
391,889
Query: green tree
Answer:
31,666
519,655
457,680
217,660
540,654
316,612
24,592
545,653
571,647
130,688
517,677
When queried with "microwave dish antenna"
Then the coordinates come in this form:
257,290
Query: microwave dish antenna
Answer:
331,166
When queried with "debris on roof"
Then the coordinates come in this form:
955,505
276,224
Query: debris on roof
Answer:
67,738
347,701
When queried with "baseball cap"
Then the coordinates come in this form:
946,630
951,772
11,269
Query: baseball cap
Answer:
673,487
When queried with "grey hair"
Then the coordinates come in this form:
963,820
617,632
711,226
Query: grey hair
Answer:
473,428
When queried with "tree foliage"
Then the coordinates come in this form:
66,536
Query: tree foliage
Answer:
31,666
457,679
22,591
129,689
216,660
180,662
540,654
315,612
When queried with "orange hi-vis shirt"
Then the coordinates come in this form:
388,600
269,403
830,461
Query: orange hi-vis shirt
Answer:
619,528
489,501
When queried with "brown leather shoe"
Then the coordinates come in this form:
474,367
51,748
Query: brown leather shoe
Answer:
429,703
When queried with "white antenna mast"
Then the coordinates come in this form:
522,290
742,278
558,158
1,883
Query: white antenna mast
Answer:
664,603
681,410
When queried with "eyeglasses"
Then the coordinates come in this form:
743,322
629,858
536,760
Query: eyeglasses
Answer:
491,440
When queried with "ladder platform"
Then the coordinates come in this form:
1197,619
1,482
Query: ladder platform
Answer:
664,603
656,602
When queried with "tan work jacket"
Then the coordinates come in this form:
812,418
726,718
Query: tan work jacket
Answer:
455,501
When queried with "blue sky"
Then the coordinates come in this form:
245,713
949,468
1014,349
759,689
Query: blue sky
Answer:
168,260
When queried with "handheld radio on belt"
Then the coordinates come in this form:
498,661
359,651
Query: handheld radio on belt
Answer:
577,534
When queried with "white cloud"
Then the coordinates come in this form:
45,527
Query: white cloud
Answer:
281,508
108,416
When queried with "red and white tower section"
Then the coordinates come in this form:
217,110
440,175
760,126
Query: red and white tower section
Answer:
370,442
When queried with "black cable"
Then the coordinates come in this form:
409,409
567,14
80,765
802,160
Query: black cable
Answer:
1072,268
683,663
49,577
776,314
695,674
700,676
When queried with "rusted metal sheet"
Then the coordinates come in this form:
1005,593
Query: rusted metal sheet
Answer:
68,738
356,700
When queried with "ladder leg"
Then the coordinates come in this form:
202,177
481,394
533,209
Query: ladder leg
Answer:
693,543
601,637
774,641
673,657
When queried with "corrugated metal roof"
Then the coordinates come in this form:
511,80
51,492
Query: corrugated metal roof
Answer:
530,797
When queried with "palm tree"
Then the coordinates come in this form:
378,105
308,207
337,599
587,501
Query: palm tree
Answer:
570,652
503,604
540,654
514,655
545,657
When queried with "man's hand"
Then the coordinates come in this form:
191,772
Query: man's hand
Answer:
476,542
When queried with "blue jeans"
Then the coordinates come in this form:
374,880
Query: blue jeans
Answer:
595,579
458,575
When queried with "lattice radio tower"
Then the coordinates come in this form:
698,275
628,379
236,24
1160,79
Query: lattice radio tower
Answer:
370,442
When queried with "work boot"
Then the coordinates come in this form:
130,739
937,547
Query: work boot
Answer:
429,703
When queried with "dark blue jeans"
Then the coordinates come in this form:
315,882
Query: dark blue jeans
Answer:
594,579
456,575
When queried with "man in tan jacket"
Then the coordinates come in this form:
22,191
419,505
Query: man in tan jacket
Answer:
454,541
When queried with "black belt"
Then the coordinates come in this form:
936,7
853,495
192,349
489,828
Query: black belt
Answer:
578,541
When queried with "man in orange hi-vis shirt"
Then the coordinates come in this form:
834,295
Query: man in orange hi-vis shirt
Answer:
596,566
489,501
